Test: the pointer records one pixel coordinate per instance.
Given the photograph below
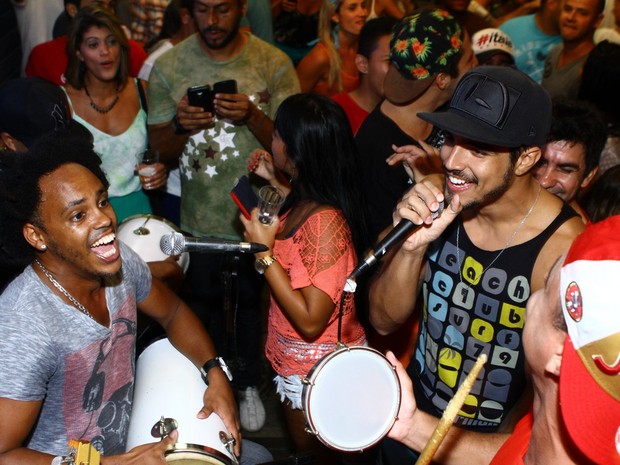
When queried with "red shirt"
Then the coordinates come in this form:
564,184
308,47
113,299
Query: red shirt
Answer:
514,449
355,113
49,60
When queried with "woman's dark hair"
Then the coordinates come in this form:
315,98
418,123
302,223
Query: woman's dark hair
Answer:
599,81
319,141
87,17
602,200
20,194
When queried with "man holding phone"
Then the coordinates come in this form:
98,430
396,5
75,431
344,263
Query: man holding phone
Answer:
211,148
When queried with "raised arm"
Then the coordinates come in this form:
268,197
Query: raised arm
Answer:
402,268
261,164
309,308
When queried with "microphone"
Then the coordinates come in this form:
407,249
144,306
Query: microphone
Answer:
398,234
176,243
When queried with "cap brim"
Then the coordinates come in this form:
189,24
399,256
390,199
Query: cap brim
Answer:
591,415
462,124
484,56
400,90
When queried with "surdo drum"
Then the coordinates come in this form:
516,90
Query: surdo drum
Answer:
143,232
168,394
351,398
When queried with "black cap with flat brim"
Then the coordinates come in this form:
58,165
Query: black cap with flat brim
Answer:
499,106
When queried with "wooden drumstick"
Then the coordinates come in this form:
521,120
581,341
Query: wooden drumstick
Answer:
449,414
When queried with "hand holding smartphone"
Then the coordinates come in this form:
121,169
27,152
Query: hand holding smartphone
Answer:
225,87
202,96
244,196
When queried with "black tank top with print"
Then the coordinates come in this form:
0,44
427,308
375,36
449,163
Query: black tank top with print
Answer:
472,308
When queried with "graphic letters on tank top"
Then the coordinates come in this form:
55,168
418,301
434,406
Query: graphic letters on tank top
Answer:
472,308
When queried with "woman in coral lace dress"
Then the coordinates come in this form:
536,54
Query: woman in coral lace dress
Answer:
315,244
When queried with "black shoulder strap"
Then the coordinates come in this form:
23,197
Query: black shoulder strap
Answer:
566,213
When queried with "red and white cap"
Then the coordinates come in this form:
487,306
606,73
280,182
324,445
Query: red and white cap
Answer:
590,371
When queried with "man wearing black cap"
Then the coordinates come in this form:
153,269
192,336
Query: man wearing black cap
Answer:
429,52
480,260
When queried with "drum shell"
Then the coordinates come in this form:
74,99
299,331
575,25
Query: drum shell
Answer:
147,246
168,384
351,398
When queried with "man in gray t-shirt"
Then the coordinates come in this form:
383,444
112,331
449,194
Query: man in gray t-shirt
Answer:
67,338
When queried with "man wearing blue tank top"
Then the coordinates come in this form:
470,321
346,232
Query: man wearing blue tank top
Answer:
473,268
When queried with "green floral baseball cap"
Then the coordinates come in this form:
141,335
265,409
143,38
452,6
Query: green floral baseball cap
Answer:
422,45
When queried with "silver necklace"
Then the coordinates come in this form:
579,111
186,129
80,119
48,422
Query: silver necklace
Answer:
510,239
58,286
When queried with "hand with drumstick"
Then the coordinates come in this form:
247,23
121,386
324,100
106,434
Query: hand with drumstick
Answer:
418,430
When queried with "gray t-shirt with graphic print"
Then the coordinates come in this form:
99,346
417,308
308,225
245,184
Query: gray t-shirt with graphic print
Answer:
81,371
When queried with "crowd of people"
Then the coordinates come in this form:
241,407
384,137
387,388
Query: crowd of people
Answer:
493,127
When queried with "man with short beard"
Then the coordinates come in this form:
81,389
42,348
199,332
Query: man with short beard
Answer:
211,149
578,21
69,319
478,262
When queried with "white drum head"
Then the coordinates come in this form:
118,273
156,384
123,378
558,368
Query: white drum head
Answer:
168,385
353,398
143,232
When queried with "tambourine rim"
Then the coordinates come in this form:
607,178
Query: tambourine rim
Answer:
198,449
309,382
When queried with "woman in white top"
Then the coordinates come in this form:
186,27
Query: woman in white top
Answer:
109,104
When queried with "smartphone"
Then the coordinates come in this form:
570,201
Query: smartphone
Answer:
201,96
244,196
225,87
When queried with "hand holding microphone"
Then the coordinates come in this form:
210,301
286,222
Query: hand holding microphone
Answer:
425,206
412,208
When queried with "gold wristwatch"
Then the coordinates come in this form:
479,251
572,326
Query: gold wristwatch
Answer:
261,264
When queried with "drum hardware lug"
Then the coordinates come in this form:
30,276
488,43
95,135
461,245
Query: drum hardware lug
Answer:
229,442
141,230
164,427
309,430
341,345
